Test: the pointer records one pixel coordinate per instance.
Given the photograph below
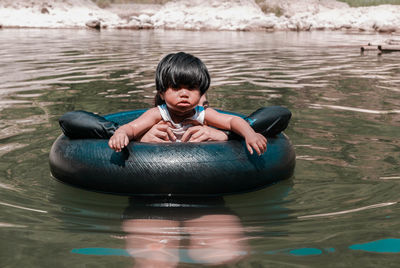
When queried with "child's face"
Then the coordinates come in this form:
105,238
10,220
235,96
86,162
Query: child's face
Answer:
181,99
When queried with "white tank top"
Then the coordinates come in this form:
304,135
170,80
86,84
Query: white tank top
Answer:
179,128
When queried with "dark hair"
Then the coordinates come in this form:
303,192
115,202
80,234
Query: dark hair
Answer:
181,69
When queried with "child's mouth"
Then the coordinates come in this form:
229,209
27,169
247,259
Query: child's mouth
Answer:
183,103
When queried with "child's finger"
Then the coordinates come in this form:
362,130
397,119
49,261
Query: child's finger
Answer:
159,135
255,146
121,143
188,134
114,144
171,135
162,135
249,148
198,137
262,145
126,141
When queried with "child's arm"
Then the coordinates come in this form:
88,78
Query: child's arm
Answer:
134,129
253,140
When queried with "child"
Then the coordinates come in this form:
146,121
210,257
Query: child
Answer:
181,81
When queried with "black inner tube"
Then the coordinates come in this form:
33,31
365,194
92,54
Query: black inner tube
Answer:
82,158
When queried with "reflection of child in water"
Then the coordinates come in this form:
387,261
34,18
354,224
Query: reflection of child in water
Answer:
181,81
157,228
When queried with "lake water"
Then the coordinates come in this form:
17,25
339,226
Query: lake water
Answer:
340,209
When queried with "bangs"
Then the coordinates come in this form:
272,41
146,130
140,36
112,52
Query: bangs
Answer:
181,69
188,75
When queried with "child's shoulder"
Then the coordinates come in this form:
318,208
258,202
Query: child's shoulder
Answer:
153,112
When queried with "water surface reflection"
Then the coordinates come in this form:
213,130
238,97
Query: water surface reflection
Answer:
203,230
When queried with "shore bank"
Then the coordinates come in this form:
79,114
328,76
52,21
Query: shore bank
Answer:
236,15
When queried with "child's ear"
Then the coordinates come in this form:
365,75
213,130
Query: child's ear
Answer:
161,95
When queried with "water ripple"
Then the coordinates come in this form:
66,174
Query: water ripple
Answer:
348,211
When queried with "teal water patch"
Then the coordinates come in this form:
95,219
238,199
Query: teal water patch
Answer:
389,245
301,251
101,251
305,252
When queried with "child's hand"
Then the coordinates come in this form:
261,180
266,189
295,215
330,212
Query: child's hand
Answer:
257,142
118,141
160,132
203,133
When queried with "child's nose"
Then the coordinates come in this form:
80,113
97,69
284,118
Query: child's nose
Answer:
183,92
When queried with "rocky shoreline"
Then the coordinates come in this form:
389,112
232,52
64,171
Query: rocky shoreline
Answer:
233,15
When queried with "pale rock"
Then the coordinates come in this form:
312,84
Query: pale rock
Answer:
210,14
133,24
53,13
144,18
245,15
95,24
